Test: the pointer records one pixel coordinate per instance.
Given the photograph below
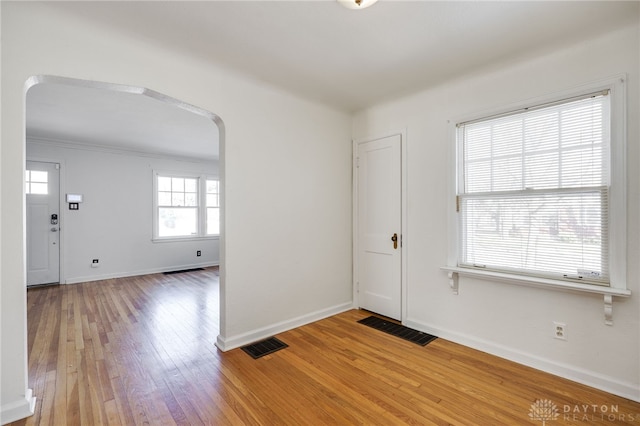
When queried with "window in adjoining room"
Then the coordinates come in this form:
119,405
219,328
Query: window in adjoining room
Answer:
185,206
213,207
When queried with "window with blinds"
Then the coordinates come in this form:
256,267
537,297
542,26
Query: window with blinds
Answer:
533,191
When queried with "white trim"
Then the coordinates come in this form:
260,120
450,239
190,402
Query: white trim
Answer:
355,285
180,239
203,202
16,410
404,214
85,146
233,342
530,281
404,238
605,383
86,279
618,193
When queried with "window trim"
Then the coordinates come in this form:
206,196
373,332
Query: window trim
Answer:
29,182
205,207
200,208
618,210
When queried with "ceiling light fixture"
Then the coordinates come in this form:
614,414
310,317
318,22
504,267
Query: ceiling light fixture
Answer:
356,4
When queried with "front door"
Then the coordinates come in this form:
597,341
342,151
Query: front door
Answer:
379,226
43,222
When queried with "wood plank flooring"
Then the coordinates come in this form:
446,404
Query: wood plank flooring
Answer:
140,351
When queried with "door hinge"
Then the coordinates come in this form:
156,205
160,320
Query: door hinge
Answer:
457,203
358,287
357,162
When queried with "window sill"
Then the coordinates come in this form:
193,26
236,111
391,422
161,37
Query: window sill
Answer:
181,239
608,292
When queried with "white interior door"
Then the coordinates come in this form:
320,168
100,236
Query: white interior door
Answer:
43,222
379,226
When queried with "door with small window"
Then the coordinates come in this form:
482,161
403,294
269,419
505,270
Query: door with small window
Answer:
42,187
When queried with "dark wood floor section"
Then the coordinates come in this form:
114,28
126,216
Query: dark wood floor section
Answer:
141,351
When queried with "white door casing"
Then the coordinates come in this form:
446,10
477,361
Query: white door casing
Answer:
43,222
379,219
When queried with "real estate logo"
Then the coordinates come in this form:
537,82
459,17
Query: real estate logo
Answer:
543,410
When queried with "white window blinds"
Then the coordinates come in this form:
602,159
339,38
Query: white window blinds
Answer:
533,189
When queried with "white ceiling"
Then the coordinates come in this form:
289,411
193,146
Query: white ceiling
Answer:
352,59
120,119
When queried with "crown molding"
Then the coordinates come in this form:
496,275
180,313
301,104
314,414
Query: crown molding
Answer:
84,146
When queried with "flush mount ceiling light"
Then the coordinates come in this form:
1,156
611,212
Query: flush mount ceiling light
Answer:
356,4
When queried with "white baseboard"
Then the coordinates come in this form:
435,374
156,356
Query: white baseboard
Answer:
233,342
77,280
598,381
16,410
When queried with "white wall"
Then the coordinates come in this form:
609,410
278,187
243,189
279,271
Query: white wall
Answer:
285,167
513,321
114,222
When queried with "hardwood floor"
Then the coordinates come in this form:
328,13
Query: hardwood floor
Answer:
140,351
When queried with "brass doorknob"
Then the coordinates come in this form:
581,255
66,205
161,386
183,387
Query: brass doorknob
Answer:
395,240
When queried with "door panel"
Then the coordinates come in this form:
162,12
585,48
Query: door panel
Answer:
43,236
38,242
379,218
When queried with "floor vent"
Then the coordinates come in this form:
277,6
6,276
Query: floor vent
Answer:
183,270
264,347
406,333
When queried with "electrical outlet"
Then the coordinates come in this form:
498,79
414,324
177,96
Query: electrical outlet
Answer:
198,253
560,330
95,263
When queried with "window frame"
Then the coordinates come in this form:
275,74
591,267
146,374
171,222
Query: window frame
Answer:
206,207
29,182
617,195
201,208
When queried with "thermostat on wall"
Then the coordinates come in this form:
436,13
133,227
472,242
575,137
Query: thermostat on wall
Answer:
74,198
